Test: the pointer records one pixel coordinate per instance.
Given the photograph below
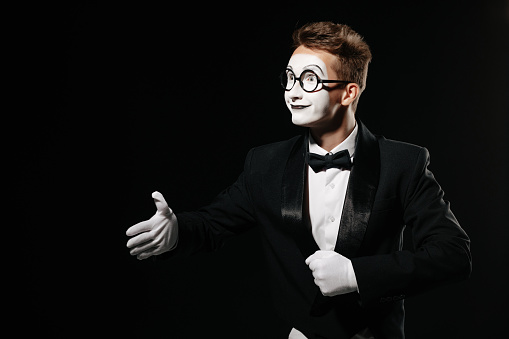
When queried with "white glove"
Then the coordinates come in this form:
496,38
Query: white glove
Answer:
333,273
157,235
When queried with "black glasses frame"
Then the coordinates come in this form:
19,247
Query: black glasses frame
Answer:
295,79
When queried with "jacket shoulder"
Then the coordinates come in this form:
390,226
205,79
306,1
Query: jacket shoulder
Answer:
399,149
401,157
394,145
276,150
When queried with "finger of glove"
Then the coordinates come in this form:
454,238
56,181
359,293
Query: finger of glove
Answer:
147,254
160,202
317,255
319,283
150,245
143,226
155,241
315,265
140,239
310,259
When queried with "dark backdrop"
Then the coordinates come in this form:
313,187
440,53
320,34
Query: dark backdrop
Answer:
121,100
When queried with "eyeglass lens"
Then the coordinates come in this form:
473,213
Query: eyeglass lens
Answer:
308,80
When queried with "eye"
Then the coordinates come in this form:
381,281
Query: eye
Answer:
310,77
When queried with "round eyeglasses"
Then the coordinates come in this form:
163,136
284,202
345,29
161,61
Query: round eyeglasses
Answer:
309,80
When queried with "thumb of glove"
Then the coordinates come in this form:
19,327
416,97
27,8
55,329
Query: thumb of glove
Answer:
161,205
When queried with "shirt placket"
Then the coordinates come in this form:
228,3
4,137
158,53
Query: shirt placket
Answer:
330,197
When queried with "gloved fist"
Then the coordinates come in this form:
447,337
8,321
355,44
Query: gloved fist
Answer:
333,273
157,235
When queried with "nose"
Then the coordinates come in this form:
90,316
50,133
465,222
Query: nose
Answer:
296,92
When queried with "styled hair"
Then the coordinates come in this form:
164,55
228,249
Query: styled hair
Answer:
340,40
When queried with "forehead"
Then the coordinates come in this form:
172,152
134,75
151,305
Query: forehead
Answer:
303,56
300,61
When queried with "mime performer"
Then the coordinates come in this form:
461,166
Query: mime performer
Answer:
331,206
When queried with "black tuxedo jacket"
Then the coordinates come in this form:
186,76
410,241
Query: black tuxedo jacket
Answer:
389,188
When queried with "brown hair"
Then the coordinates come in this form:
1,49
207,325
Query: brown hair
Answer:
352,51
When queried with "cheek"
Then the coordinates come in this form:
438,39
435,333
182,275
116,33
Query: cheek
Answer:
334,97
320,100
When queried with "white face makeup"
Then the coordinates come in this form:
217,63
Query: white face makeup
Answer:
309,108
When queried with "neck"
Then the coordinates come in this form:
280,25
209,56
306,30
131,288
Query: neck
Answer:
328,137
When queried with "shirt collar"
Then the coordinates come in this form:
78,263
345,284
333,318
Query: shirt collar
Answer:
349,144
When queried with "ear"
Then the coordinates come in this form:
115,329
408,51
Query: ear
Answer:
350,93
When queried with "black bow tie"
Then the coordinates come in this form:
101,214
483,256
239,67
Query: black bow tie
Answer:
340,159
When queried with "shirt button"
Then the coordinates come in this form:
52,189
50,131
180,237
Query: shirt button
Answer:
331,219
332,186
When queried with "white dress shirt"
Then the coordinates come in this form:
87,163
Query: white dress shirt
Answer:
326,194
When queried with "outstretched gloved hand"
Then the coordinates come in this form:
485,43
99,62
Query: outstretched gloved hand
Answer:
333,273
157,235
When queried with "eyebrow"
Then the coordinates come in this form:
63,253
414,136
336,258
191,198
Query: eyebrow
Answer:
308,66
313,65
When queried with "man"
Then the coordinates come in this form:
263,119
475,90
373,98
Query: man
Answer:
331,205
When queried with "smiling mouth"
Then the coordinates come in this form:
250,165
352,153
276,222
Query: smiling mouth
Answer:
299,106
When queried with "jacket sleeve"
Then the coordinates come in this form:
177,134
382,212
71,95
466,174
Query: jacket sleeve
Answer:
442,248
229,213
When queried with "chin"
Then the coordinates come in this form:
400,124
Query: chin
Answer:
303,121
298,122
300,119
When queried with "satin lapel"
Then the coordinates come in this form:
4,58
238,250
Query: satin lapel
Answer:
360,193
292,198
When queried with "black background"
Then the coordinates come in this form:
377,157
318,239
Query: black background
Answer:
119,100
